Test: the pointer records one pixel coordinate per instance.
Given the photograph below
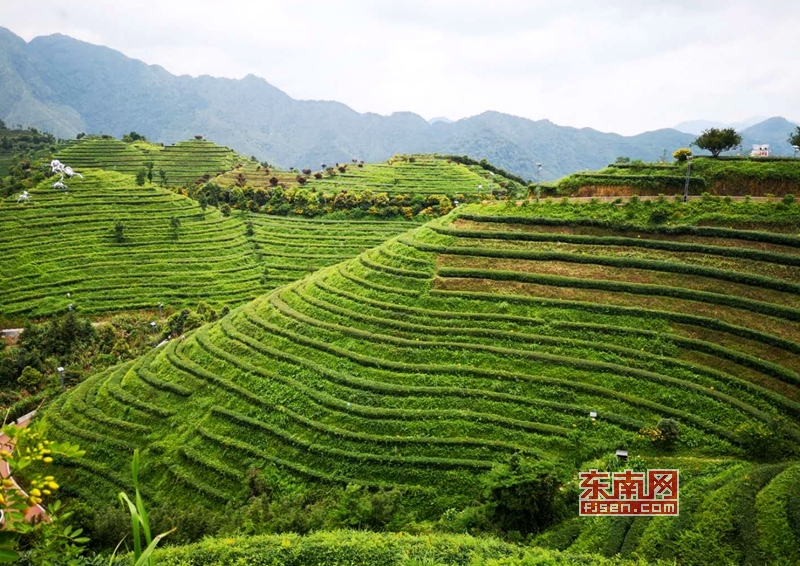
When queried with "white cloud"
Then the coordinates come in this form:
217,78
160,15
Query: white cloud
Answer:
619,65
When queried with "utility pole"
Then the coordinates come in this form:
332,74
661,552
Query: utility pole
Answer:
688,173
538,182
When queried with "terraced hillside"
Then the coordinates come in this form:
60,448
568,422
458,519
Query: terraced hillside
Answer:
734,176
419,174
290,248
63,243
732,512
423,363
250,173
184,163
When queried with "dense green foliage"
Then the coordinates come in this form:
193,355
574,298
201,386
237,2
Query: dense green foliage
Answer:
16,145
370,549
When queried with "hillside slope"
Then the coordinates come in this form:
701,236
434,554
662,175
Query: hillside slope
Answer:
732,176
423,363
183,163
60,249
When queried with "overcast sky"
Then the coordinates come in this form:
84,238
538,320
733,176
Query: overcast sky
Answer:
614,65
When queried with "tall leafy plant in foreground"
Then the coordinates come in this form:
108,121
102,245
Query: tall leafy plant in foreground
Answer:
140,522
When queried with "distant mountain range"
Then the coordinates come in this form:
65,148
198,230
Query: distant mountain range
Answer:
697,126
65,86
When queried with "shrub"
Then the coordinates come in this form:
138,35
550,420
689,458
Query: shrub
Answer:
666,433
192,321
526,495
681,154
225,209
765,441
175,226
31,378
273,181
670,431
306,171
659,215
119,231
318,175
141,175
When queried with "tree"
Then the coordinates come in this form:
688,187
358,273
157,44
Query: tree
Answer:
141,176
794,137
119,231
249,231
203,201
526,495
175,226
163,176
132,137
718,140
149,165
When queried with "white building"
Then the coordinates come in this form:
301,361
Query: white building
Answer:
760,150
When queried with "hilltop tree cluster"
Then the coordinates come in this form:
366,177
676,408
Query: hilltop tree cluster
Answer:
309,202
133,137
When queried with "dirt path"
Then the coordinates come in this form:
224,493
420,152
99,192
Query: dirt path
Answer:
7,444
